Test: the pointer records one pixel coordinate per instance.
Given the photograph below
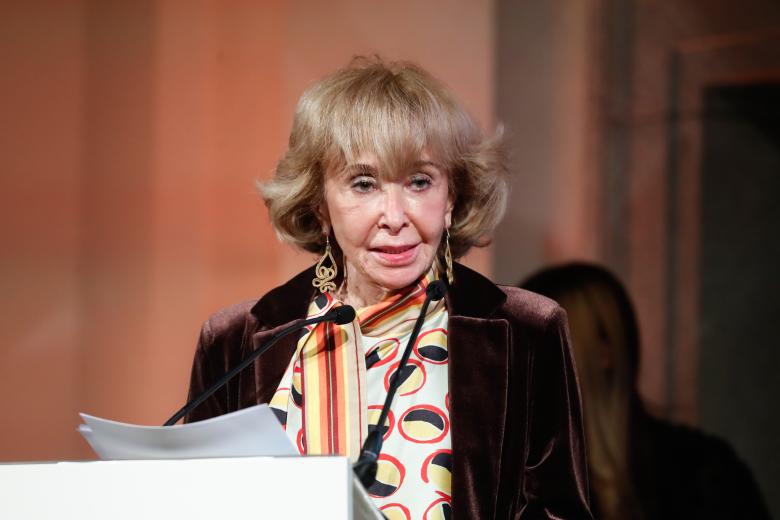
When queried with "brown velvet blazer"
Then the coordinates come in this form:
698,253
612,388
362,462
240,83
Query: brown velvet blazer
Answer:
517,438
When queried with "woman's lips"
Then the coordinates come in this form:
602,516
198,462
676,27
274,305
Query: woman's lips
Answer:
396,255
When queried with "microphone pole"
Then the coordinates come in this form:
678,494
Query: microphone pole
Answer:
340,315
366,466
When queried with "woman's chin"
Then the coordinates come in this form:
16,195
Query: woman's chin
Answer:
395,278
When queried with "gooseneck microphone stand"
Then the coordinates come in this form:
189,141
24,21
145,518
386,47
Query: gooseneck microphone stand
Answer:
366,466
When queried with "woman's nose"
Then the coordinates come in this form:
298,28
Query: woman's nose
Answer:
393,216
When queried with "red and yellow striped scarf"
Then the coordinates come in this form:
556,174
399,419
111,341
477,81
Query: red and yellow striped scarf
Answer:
328,380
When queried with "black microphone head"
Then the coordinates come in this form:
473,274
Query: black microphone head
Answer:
436,290
342,314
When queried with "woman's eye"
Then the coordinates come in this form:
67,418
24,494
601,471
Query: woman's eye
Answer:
420,182
362,184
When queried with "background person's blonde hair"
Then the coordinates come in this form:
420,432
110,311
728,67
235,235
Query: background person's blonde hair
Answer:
394,110
605,339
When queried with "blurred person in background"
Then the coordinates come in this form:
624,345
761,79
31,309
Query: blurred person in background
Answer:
640,467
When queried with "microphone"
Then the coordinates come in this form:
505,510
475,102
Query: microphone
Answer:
339,315
436,290
366,466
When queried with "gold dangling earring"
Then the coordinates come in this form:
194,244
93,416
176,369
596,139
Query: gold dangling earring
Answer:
323,276
448,258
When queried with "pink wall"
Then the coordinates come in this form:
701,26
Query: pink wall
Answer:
134,132
41,145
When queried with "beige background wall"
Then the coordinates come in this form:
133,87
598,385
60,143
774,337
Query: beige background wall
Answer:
132,135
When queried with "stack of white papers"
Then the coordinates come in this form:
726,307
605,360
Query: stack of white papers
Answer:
249,432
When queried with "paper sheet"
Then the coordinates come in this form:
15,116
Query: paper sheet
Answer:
252,431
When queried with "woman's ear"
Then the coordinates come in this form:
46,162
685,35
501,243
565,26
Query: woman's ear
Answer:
323,216
448,210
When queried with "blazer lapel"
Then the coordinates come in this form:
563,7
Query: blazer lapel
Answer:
478,345
269,368
478,398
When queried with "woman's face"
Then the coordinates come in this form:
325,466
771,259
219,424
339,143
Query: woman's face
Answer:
389,226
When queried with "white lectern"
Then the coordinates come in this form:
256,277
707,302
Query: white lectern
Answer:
239,488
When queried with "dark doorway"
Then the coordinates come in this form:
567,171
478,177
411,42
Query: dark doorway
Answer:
740,276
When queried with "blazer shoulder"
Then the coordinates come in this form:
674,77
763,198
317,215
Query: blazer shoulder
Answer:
531,309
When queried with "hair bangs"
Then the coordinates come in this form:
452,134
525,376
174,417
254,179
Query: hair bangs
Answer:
392,119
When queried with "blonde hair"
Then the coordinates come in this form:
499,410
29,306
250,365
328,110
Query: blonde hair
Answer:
604,336
394,110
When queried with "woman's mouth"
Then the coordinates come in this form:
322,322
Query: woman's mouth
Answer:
396,255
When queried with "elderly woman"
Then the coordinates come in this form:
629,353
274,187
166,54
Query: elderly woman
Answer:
388,180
